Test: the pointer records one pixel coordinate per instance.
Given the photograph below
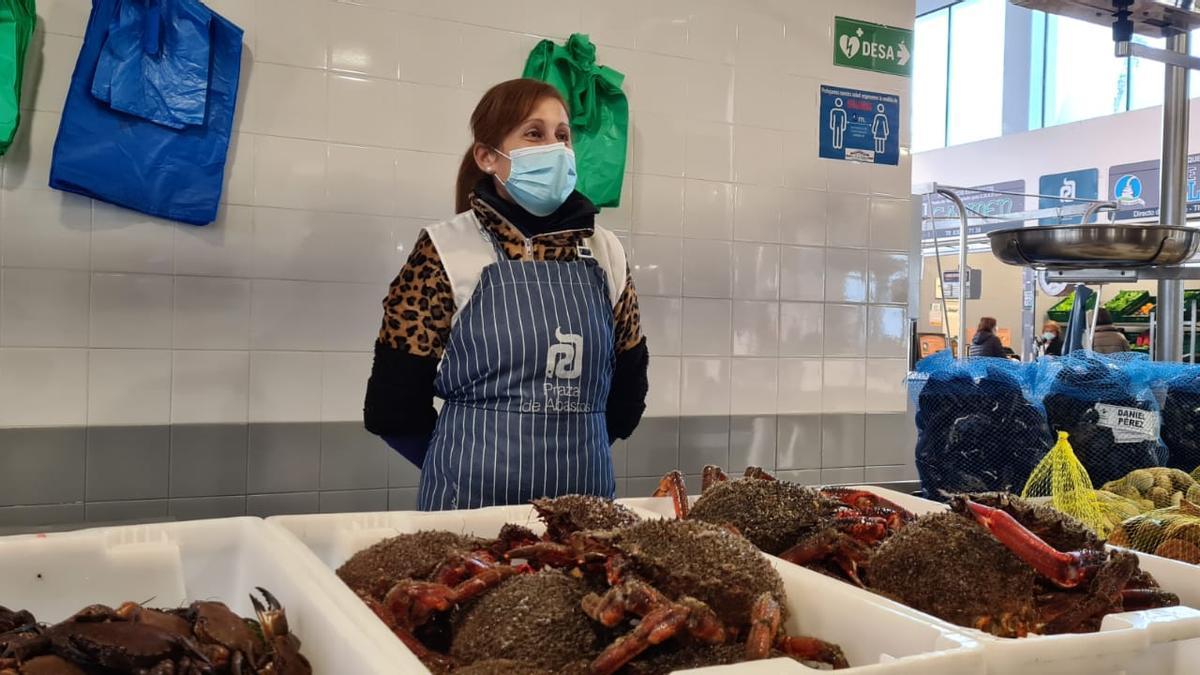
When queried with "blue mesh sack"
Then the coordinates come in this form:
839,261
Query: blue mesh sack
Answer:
977,429
149,112
1108,406
1181,415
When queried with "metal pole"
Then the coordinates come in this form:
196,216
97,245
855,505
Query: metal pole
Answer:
1173,209
1091,336
962,265
1192,345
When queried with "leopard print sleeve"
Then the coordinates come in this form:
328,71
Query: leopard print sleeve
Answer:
419,304
627,318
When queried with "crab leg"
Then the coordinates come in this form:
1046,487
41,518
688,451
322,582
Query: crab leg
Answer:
1065,569
765,617
1147,598
672,485
871,504
661,624
712,475
813,649
414,645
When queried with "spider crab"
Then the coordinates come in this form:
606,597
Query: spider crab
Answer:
996,563
803,525
681,579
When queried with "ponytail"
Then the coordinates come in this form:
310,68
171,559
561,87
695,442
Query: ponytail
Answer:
469,175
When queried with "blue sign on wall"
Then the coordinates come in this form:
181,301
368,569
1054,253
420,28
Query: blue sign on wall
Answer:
1068,186
860,126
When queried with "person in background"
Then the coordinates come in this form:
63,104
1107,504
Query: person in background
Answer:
1108,339
985,342
1051,340
520,314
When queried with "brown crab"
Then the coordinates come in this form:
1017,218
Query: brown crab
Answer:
803,525
681,578
204,638
986,567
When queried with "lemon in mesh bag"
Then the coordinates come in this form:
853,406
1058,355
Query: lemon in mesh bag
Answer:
1173,532
1060,476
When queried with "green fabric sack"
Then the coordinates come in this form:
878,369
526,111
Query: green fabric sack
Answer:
599,113
17,19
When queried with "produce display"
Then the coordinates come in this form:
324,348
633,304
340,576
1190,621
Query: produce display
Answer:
602,591
1172,532
201,639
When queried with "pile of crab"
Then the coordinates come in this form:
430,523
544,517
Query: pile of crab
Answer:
205,638
993,562
602,591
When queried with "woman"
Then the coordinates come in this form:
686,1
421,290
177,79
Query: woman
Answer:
520,314
985,342
1108,339
1051,339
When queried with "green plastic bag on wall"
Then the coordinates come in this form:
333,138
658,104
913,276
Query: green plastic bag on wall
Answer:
599,113
17,18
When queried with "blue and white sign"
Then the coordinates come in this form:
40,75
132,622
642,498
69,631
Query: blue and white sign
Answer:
1134,187
1067,186
860,126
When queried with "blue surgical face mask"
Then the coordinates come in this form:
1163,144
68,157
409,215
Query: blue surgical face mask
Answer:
1048,335
541,177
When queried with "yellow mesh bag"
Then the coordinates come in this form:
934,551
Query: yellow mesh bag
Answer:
1060,476
1173,532
1196,474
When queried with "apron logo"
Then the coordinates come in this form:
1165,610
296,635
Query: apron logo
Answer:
563,359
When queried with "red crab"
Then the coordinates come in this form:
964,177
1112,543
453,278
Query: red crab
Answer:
803,525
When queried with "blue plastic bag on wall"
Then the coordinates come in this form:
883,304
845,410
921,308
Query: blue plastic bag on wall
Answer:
147,120
158,75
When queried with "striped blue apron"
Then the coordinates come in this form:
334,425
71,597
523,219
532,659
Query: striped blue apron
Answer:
525,378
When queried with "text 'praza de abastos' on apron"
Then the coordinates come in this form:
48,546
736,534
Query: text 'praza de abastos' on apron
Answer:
526,372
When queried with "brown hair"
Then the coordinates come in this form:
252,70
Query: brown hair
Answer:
987,323
501,110
1053,327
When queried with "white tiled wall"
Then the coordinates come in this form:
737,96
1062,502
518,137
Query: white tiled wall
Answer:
351,121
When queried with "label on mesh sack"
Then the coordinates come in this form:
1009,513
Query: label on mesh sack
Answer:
1129,425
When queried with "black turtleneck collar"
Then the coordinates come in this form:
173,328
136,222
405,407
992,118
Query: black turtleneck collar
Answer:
577,213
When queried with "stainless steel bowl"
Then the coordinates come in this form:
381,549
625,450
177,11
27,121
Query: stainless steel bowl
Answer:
1094,245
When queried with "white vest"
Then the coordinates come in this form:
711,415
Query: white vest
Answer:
465,250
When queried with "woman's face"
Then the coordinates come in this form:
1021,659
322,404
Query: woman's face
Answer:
546,125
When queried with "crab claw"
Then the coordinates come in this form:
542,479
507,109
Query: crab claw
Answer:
712,475
871,504
271,617
1065,569
758,472
672,485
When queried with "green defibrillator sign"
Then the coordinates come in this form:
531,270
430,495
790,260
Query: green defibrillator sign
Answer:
872,46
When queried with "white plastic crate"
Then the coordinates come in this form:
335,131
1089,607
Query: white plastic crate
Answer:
875,637
172,564
1162,641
